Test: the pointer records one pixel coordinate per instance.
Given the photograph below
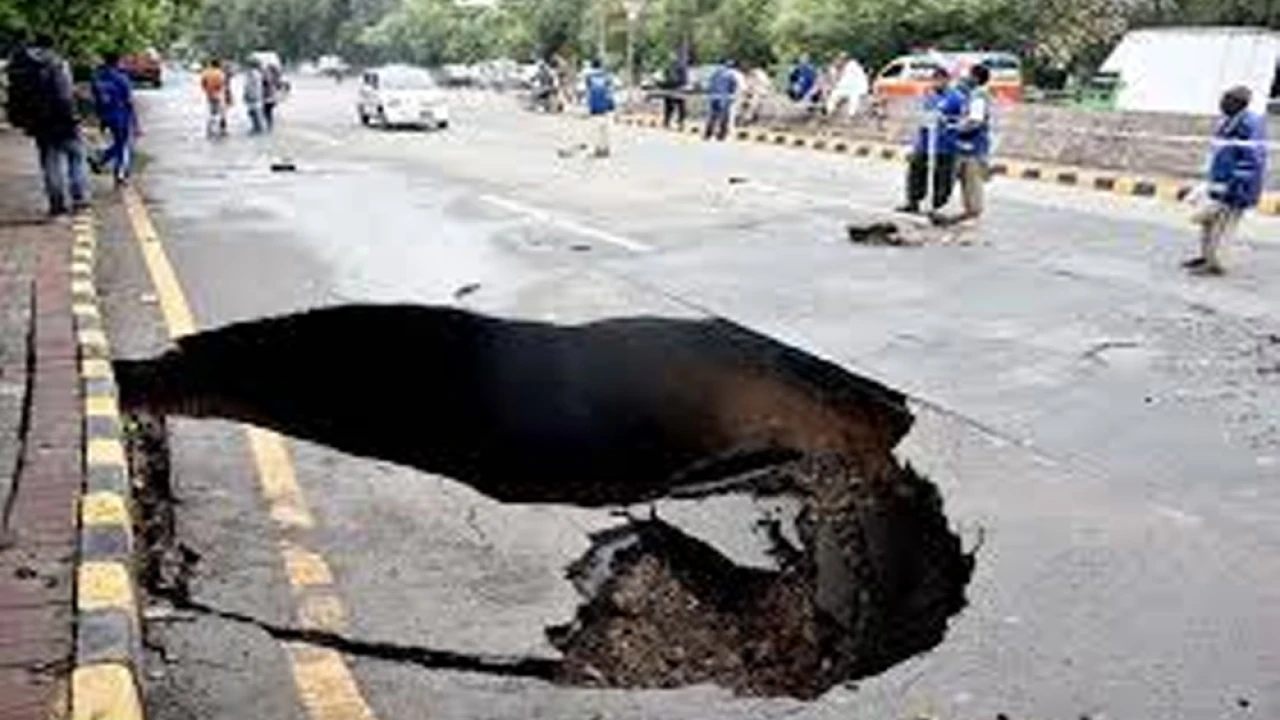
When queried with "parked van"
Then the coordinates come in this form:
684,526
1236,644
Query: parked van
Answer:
912,75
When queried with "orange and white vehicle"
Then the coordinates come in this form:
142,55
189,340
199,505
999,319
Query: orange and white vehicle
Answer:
912,75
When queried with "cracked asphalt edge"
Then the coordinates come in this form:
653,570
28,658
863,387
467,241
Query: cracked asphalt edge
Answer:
108,632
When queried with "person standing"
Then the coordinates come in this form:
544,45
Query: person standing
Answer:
1237,169
600,105
675,82
973,141
41,103
802,83
272,88
113,103
722,90
935,147
213,81
253,95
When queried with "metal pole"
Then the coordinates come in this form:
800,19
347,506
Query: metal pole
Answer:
631,50
601,39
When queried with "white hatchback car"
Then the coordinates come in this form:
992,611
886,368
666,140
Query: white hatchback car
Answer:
401,95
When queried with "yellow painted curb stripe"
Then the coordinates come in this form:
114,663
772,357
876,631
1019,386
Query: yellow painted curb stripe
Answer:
1124,186
104,451
101,585
85,309
83,287
101,406
173,304
104,508
80,267
105,691
92,338
95,369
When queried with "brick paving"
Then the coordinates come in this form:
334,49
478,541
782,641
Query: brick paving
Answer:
40,440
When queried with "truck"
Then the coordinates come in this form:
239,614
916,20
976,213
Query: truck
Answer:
1186,69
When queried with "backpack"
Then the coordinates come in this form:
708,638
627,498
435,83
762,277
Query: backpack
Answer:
33,93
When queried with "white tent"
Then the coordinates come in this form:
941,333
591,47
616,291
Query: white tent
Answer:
1185,69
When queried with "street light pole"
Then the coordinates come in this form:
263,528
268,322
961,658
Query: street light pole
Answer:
633,8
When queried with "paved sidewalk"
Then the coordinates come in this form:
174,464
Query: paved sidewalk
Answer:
40,441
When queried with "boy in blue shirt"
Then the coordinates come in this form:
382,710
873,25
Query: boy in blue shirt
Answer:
1236,172
113,103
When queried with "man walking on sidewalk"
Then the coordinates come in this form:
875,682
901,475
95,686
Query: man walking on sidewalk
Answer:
41,104
113,102
675,82
1236,173
213,81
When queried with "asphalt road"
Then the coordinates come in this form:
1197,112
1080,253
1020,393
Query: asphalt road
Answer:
1105,426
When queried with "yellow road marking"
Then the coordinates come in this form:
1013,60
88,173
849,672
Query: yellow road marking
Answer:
322,611
305,567
325,685
173,304
1124,185
105,691
322,679
278,480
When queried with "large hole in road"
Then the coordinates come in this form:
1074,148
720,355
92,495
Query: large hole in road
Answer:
865,574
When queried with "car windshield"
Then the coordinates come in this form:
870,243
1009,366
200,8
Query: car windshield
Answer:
405,79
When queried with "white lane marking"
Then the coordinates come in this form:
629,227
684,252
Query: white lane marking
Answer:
1179,517
572,226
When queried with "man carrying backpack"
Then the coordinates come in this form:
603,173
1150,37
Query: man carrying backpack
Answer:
41,104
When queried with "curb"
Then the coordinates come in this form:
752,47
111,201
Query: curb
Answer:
108,642
1162,188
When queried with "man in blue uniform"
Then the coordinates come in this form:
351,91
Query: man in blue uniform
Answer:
600,105
935,146
973,141
1236,173
722,89
113,103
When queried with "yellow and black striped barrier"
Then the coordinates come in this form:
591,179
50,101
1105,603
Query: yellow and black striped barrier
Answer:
1162,188
108,645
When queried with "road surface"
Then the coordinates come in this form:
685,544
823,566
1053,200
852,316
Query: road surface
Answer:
1101,425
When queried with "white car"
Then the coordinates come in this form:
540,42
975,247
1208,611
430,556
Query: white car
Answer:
401,95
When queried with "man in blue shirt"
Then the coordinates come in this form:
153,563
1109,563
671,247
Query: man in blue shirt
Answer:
1237,171
973,140
722,89
935,145
113,102
600,105
802,81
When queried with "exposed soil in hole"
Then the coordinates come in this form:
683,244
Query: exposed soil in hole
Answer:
608,413
876,578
